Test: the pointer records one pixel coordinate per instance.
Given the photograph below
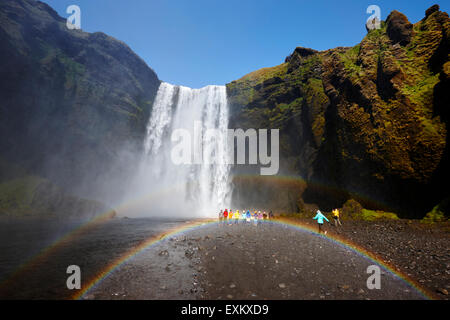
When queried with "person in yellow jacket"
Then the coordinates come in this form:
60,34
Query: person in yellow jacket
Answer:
230,217
236,217
336,217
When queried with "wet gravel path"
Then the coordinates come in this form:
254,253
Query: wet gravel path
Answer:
211,262
277,262
248,262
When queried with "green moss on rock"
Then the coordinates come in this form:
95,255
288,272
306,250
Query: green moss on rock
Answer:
371,215
362,119
435,215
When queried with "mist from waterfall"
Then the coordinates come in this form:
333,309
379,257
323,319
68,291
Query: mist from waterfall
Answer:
194,190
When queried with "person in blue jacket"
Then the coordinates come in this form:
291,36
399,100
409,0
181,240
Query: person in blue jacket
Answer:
248,216
319,217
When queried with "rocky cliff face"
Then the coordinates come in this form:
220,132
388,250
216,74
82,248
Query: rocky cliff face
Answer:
73,105
368,122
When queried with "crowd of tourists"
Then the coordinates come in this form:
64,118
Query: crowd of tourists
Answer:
228,216
255,217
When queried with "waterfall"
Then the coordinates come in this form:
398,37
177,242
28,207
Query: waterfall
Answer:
195,189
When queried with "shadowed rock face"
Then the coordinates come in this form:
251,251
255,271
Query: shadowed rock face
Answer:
302,52
73,105
368,122
399,29
431,10
34,197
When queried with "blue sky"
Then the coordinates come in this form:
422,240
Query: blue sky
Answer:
199,42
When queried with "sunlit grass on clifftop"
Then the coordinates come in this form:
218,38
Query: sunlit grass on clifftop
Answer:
259,76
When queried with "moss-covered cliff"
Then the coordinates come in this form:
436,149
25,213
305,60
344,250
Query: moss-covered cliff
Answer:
73,105
370,121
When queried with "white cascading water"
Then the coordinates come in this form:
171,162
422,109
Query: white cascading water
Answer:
194,190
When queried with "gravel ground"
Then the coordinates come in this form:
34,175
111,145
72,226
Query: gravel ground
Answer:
419,250
248,262
277,262
227,262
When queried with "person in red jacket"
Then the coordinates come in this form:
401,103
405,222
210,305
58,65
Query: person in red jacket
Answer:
225,216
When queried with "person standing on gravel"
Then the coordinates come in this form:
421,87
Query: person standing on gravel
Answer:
243,216
248,216
319,217
220,216
236,217
225,216
336,217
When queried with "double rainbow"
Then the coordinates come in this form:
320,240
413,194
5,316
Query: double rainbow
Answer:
189,227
